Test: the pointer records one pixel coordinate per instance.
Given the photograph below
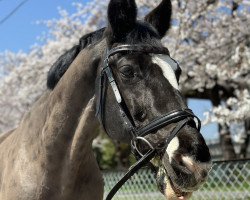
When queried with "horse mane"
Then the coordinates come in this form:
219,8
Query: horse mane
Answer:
64,61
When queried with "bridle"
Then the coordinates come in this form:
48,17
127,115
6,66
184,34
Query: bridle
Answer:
180,117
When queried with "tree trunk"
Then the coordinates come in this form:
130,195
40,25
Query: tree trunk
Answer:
226,143
245,144
227,147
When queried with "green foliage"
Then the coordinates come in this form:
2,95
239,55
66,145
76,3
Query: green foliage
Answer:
105,152
111,154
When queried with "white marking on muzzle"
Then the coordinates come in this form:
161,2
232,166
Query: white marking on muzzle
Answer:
172,147
164,62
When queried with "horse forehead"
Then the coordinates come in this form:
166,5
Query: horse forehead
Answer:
164,62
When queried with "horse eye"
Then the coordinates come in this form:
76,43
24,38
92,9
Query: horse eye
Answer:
127,71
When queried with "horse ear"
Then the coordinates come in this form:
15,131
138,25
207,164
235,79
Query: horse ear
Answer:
160,17
122,16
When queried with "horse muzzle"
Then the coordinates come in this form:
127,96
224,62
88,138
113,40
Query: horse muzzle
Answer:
181,178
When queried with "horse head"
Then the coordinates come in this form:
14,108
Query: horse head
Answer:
139,100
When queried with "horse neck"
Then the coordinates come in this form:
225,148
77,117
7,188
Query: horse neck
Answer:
56,135
72,123
82,168
71,96
52,123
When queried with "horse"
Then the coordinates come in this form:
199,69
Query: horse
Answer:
120,77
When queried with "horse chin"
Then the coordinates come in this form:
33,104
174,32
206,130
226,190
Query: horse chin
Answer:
167,187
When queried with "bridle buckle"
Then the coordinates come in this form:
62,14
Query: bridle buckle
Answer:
134,144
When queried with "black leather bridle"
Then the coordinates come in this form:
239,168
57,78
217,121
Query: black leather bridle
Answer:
180,117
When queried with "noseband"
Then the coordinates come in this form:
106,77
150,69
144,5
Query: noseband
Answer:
180,117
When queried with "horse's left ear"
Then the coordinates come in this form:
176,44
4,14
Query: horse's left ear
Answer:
160,17
122,16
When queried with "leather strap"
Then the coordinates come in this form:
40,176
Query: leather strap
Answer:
145,159
169,118
107,76
132,170
137,48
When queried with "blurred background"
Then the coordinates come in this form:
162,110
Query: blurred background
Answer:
209,38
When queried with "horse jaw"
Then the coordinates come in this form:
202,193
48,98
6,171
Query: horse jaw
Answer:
168,189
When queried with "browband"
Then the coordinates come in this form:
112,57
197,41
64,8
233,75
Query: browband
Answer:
137,48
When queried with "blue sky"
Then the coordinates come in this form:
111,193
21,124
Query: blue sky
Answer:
20,32
199,106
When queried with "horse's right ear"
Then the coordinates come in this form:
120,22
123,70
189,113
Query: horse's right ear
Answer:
122,17
160,17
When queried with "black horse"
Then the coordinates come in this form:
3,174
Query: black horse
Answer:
125,76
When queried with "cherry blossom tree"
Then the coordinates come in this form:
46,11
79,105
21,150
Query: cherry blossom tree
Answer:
209,38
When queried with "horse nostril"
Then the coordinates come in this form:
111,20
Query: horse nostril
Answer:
140,115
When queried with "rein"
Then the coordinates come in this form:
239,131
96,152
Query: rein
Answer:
180,117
